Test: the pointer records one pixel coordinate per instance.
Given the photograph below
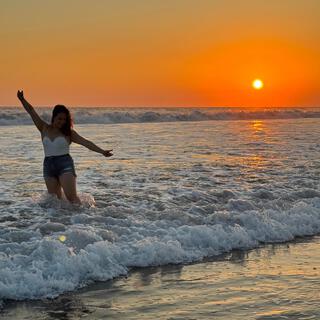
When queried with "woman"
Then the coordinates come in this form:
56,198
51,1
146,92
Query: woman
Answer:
58,167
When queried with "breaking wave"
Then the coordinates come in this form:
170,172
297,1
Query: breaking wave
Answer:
17,116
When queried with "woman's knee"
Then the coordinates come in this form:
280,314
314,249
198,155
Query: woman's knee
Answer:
68,184
53,186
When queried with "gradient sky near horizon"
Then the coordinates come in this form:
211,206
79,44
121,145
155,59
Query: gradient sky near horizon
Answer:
160,53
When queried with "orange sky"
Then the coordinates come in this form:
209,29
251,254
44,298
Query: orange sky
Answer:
160,53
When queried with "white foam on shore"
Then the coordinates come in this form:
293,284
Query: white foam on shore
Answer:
59,257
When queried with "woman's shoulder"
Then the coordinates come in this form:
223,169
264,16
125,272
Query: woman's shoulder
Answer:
45,128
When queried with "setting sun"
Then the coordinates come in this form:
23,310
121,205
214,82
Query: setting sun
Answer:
257,84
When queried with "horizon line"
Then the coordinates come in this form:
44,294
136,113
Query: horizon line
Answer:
156,107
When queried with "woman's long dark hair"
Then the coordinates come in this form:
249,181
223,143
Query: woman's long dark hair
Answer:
66,129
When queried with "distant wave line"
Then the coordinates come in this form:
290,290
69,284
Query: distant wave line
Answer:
14,116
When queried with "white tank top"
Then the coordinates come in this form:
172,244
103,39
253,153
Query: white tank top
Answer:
57,147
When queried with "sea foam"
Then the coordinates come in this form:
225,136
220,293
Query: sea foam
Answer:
17,116
41,263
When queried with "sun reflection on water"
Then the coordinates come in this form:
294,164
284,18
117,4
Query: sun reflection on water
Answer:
257,125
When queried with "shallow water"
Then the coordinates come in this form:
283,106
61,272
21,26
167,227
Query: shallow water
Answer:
173,193
272,282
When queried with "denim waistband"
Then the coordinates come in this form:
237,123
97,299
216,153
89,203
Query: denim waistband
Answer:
54,157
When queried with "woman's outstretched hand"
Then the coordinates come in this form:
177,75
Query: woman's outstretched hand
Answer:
20,95
107,153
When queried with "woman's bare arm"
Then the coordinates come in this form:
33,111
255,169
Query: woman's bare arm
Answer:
76,138
40,124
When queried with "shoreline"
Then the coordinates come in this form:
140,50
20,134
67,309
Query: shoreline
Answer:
272,281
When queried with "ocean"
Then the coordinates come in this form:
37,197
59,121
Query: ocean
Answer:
183,185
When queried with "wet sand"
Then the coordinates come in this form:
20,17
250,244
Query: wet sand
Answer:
278,281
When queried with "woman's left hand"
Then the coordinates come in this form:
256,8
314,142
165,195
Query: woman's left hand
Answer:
107,153
20,95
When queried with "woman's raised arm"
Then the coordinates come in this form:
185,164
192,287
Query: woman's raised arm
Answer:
40,124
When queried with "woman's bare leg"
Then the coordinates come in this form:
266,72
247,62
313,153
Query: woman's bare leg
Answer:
68,183
53,186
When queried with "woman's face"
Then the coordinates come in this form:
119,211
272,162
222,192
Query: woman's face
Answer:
60,120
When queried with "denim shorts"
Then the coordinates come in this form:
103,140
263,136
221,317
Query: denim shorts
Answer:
55,166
